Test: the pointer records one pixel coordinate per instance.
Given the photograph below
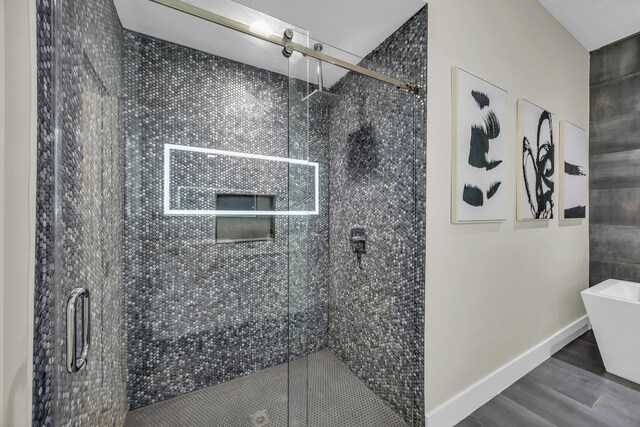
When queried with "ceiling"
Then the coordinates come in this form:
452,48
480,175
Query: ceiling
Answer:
596,23
349,29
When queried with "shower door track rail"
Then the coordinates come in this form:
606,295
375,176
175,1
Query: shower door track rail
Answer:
287,44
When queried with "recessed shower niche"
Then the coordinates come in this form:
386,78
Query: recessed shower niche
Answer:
204,143
245,228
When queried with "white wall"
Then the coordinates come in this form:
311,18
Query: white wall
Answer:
18,172
496,290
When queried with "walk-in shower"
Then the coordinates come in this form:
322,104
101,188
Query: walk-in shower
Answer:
245,205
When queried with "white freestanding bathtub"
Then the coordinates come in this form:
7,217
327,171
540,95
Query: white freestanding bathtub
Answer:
613,307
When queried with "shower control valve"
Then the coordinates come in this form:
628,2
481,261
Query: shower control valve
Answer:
358,241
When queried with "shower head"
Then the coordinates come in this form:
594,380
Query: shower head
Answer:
320,96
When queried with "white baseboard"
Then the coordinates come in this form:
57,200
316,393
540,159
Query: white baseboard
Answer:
460,406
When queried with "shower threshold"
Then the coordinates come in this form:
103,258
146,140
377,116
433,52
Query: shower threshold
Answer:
336,398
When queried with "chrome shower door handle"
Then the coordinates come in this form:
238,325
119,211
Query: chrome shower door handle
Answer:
75,363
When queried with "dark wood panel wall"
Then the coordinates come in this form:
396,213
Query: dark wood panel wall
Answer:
614,143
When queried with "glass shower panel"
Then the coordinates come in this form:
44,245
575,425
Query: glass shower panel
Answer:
366,373
304,185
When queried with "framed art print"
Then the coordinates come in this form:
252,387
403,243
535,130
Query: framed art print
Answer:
480,149
574,182
536,163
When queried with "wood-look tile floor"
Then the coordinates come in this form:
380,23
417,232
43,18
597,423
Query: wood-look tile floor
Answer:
570,389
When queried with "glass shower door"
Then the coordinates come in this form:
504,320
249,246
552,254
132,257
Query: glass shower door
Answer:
304,185
79,349
182,201
88,253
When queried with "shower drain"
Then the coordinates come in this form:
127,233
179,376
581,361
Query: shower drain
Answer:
260,418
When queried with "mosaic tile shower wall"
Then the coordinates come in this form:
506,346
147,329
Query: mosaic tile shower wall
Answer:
200,313
85,235
377,182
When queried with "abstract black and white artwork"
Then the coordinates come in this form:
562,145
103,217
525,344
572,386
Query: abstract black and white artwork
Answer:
537,168
480,149
574,184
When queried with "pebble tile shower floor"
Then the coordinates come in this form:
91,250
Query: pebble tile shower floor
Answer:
337,398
